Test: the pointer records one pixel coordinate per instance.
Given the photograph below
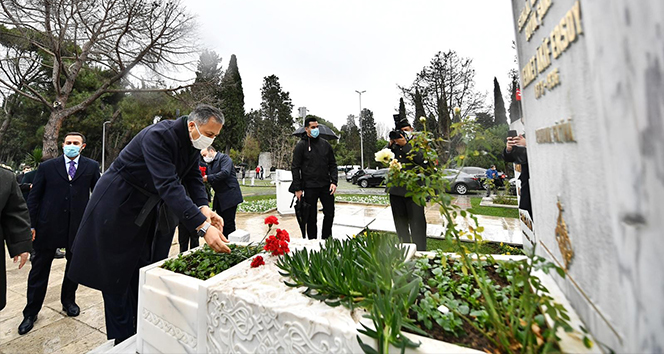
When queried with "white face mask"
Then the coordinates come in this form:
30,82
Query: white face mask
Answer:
203,142
208,159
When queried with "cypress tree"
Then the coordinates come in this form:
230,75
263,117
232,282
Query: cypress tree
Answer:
232,105
499,104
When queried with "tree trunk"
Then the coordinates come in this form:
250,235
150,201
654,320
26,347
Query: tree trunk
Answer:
51,133
5,127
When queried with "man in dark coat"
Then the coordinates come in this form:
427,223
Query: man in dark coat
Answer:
140,198
315,175
14,227
409,219
515,152
58,197
227,194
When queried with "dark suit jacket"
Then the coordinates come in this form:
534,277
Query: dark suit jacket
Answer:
57,204
26,183
14,225
120,221
221,176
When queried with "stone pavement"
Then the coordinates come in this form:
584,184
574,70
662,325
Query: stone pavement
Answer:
54,332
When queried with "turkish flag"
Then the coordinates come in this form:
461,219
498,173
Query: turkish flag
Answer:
518,94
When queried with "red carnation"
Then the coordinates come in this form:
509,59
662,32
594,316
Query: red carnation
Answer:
257,262
271,220
283,235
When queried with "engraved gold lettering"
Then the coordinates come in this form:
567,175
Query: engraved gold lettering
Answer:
562,34
576,12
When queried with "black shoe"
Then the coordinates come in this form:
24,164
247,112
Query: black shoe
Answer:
27,324
59,253
72,310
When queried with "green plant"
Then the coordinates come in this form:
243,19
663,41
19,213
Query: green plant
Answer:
367,271
205,263
502,199
511,322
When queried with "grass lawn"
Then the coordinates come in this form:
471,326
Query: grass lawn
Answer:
483,248
491,211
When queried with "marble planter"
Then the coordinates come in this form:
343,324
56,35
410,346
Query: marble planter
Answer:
248,309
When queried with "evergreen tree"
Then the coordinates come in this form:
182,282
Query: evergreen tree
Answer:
207,86
276,127
419,110
515,106
499,104
232,105
485,119
402,109
369,137
350,138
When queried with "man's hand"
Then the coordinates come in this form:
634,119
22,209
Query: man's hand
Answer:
205,178
215,239
23,256
298,194
333,188
34,233
515,141
212,217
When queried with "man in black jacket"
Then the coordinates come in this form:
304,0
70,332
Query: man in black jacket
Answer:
14,227
515,151
57,200
409,219
227,194
315,177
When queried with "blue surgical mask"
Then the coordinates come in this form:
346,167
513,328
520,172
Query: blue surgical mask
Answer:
315,132
71,150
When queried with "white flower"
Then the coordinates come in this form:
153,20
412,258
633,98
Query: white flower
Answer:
457,110
443,309
384,156
423,119
394,164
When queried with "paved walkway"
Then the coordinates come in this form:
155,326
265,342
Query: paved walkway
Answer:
54,332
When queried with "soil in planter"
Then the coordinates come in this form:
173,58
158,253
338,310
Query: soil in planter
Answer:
206,263
472,338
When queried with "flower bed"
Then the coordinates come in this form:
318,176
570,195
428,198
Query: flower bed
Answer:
204,263
257,206
364,199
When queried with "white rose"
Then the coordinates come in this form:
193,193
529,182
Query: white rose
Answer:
384,156
423,119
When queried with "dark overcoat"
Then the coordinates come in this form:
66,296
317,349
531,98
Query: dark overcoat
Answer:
14,225
152,171
57,204
221,176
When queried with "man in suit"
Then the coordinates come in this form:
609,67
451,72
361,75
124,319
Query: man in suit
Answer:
138,200
227,194
14,227
58,197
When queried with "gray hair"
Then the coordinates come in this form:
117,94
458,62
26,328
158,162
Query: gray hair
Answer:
211,149
203,112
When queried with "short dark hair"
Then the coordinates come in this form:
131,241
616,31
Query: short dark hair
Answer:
75,134
210,148
309,120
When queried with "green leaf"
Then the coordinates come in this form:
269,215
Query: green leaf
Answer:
463,309
587,342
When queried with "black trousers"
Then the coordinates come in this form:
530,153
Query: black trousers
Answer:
409,220
188,239
38,281
311,196
228,215
121,305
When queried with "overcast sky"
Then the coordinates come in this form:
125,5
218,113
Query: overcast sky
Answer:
323,51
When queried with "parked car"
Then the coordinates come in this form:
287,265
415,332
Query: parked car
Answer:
354,174
461,182
373,178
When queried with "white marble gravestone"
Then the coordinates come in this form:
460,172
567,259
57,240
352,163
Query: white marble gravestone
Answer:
592,82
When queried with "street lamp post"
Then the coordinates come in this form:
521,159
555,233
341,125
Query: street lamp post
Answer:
103,145
360,120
